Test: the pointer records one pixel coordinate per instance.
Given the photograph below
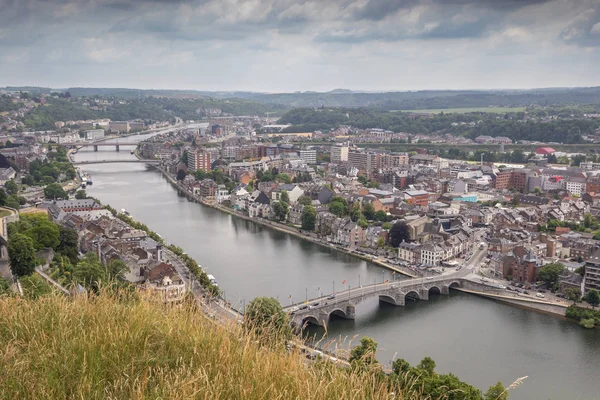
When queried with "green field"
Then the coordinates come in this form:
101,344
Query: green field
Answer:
5,213
496,110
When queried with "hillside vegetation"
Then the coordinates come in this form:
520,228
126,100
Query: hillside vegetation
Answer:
510,125
117,345
101,347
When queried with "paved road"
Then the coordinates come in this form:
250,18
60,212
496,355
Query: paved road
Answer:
215,308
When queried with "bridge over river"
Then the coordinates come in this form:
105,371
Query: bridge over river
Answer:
317,311
95,145
138,161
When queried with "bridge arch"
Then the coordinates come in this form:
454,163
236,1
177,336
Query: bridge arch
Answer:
454,285
435,289
388,299
412,294
338,312
310,319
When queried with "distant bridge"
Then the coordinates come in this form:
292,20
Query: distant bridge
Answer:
116,145
152,162
343,305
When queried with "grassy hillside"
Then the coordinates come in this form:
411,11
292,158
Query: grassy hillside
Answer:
99,348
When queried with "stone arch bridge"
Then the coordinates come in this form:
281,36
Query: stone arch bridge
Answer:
344,304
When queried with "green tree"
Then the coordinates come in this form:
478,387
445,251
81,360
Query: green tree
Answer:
265,318
305,200
537,190
356,213
363,356
21,253
589,220
44,233
380,216
89,272
309,218
68,246
116,269
428,365
55,191
572,294
369,211
496,392
592,297
399,232
380,243
549,273
284,197
284,178
4,287
11,187
12,202
200,175
81,194
2,197
281,211
401,366
338,206
387,226
184,157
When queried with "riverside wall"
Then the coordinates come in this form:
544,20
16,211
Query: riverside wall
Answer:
532,303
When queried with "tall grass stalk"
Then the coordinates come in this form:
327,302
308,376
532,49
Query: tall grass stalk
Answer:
123,347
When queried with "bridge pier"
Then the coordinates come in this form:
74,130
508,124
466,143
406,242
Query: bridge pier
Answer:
350,311
117,147
424,294
95,148
445,289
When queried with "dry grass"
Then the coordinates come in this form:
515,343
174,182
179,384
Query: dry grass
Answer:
102,348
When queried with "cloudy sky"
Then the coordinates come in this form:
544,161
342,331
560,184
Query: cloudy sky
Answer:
287,45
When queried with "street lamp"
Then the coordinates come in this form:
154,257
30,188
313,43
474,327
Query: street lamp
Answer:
306,294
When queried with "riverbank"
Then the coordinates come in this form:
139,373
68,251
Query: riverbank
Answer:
557,309
281,227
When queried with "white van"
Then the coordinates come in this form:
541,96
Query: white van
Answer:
540,295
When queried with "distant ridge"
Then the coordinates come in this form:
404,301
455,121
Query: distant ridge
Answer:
394,100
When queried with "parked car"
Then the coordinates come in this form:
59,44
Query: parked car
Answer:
540,295
332,296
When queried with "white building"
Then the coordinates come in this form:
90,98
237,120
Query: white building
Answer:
309,156
339,154
575,186
94,134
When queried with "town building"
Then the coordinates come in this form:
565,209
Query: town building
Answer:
199,160
339,154
591,279
119,126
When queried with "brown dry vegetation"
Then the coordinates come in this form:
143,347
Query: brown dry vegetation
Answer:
108,348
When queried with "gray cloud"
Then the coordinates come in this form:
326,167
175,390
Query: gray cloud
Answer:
584,29
280,44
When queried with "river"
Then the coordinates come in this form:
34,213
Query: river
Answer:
478,340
